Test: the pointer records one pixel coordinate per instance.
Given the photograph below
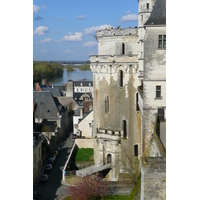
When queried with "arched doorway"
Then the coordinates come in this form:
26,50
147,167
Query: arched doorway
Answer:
109,158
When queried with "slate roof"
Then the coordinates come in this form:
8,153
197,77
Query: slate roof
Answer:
47,106
54,91
158,14
84,83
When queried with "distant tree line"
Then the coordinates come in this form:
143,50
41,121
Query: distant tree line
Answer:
46,70
81,67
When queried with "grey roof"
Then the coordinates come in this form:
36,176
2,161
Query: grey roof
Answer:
54,91
47,106
158,14
84,83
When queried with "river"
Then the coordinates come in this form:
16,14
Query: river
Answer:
73,75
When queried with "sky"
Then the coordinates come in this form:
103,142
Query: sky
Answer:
65,30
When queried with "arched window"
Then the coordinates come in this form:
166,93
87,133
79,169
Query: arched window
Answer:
137,107
123,48
109,158
124,128
136,150
121,78
106,104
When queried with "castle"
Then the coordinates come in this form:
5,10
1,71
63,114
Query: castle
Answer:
129,81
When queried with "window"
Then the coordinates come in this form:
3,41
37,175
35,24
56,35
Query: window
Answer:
147,6
137,107
158,91
106,104
121,78
141,17
162,41
136,150
124,128
123,48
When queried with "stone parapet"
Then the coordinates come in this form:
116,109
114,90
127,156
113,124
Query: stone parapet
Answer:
108,135
113,58
116,32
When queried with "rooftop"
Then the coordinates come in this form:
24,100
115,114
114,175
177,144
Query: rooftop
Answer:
158,15
117,32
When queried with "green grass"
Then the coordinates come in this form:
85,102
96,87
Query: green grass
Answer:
84,154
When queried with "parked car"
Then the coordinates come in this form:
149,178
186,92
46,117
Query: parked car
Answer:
74,136
44,178
55,153
48,167
57,149
52,160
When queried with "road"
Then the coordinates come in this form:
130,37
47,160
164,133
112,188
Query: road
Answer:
53,189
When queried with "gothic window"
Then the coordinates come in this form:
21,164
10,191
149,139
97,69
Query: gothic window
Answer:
162,41
106,104
124,129
136,150
123,48
147,6
109,158
121,78
158,91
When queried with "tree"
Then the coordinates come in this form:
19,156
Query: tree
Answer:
89,188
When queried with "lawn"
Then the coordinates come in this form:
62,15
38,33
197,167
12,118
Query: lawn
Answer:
84,154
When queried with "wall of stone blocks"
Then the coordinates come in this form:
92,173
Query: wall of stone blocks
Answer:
85,143
153,184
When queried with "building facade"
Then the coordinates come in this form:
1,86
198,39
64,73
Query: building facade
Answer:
129,80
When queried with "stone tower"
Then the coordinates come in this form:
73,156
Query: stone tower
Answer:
115,81
145,8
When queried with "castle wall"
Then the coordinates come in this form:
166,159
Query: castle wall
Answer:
109,68
154,75
153,179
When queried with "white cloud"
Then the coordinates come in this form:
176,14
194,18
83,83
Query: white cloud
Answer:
73,37
68,51
40,30
129,18
44,6
36,8
92,30
43,50
81,17
90,44
46,40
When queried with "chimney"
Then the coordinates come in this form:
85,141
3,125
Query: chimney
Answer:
81,112
50,84
37,86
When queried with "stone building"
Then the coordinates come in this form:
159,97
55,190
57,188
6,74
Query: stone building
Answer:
115,81
129,80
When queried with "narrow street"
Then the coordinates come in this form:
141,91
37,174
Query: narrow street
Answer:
52,189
